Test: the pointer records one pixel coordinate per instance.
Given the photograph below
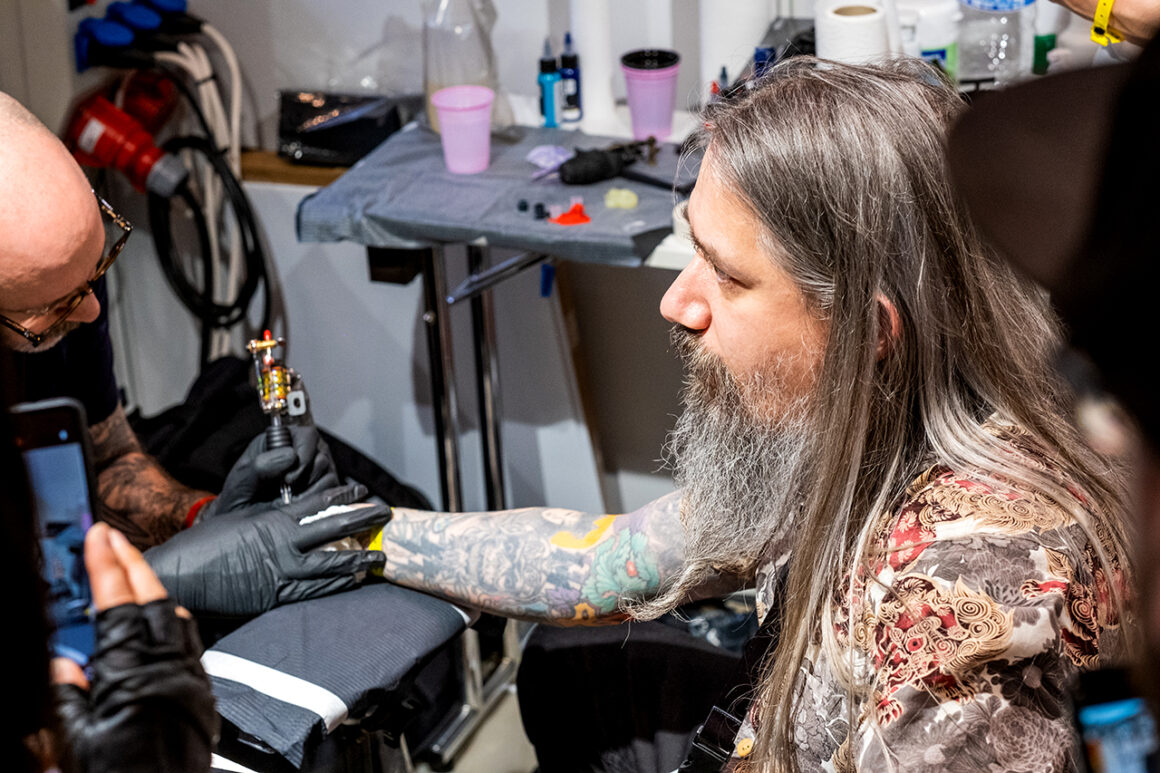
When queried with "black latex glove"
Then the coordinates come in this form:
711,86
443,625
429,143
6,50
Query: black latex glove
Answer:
242,564
255,481
150,707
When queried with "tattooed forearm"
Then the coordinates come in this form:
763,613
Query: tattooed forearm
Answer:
543,564
136,495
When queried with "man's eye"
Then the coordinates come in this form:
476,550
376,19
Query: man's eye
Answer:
723,278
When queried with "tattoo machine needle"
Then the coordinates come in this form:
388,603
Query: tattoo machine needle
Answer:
275,394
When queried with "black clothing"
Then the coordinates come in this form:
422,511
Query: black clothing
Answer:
80,366
150,707
617,699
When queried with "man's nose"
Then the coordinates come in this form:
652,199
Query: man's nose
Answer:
88,311
684,303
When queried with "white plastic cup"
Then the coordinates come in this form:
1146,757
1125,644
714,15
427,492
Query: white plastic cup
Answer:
650,76
465,127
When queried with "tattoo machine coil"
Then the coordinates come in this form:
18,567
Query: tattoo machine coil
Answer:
276,393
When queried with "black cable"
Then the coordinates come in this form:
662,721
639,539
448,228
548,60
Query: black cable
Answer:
176,76
199,301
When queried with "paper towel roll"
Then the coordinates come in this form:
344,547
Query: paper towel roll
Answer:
658,31
729,32
851,31
591,28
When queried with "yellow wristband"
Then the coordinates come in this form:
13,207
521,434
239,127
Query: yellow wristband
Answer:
1100,32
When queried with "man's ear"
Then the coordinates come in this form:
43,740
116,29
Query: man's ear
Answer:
889,325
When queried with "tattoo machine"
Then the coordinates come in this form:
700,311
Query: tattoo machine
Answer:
593,166
276,394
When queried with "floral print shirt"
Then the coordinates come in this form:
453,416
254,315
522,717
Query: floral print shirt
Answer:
980,614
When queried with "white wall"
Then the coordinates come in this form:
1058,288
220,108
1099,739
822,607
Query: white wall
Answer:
360,345
361,348
376,45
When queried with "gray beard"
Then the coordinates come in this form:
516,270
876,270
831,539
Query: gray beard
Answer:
739,455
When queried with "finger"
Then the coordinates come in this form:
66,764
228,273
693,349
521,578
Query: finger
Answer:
181,611
275,463
299,590
344,495
339,563
65,671
107,577
331,497
306,440
372,561
363,517
143,582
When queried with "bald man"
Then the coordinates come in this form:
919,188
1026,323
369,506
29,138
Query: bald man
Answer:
57,241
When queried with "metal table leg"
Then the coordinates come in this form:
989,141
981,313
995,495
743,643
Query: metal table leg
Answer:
442,363
486,368
480,693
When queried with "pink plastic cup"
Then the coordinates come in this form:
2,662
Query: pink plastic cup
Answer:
651,77
465,127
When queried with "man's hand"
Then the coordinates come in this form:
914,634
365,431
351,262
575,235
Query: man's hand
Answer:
242,564
1137,20
149,707
255,482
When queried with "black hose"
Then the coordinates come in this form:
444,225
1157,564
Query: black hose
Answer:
176,77
199,300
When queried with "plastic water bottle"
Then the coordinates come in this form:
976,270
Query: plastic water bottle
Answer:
996,40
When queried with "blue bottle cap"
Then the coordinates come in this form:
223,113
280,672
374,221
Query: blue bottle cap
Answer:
141,18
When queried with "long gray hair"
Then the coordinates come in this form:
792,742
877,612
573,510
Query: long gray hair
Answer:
843,166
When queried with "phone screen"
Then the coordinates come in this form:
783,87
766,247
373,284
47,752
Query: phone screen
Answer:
59,479
1118,735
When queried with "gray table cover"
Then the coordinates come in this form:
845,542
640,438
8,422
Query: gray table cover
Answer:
401,192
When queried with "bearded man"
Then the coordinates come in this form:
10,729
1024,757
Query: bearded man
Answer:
871,403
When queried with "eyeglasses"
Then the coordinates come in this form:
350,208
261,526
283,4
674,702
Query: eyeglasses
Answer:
65,307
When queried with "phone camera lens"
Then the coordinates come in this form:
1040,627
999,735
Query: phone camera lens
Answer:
63,434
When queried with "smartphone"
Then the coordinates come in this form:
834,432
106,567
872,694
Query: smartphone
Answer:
53,439
1115,724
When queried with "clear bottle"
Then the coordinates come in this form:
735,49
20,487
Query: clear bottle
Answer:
996,41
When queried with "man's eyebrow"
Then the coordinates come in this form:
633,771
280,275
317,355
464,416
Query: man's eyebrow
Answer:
44,308
709,255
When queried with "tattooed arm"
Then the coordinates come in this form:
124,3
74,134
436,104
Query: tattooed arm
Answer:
544,564
136,495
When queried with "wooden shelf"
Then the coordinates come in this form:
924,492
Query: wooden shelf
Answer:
265,166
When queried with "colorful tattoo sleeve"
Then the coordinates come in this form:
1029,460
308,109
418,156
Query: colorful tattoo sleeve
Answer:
545,564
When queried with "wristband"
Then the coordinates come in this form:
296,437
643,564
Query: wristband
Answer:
191,516
1100,19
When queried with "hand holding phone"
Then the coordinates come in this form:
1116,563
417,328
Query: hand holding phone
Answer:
147,683
118,575
53,439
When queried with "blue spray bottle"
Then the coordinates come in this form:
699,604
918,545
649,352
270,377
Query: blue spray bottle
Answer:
570,80
551,92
